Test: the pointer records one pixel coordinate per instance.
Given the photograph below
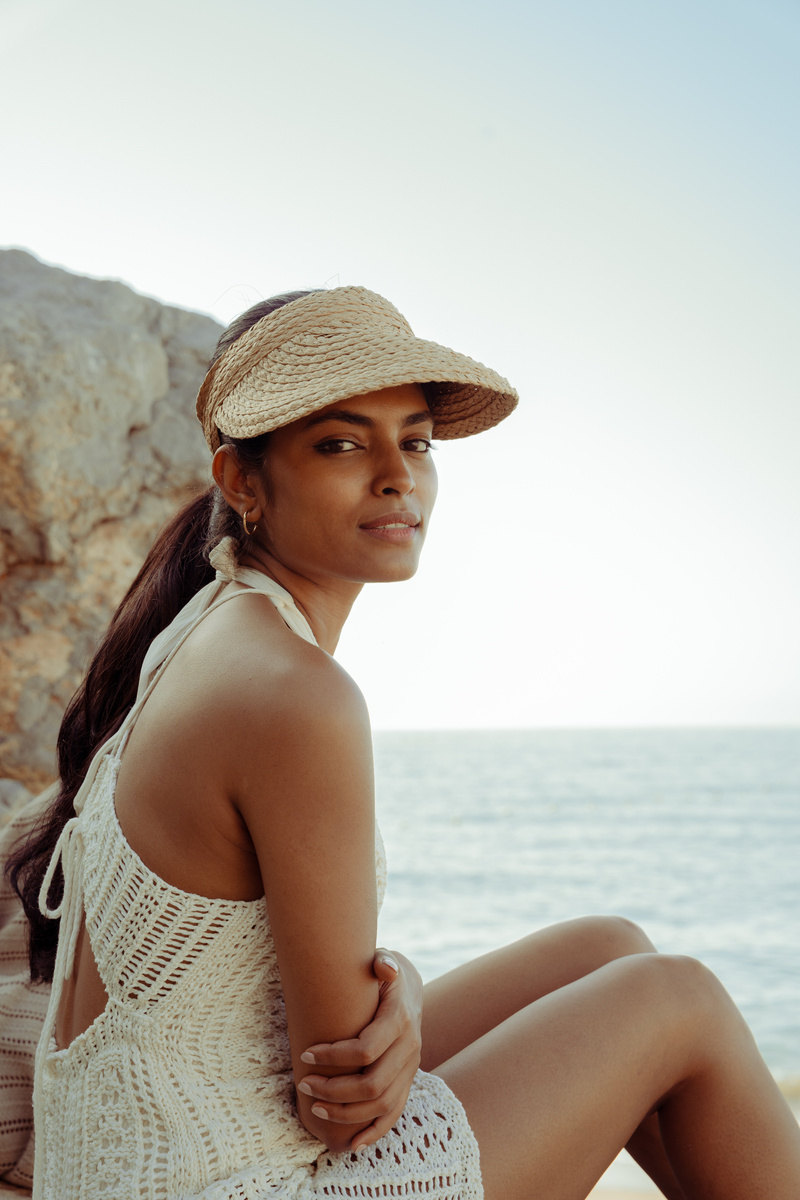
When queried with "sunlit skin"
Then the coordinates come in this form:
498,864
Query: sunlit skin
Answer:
249,773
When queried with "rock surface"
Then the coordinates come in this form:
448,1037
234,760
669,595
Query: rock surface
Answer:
100,444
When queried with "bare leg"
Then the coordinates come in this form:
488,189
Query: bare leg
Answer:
466,1003
555,1091
646,1146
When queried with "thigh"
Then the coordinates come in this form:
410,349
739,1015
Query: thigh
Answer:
554,1092
466,1003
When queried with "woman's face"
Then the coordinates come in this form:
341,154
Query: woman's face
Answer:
350,488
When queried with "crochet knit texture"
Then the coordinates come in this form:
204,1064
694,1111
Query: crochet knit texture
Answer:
183,1086
22,1011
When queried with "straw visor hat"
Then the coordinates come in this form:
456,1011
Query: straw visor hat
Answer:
334,344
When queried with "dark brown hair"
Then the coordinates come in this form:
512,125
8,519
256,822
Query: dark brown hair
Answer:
174,570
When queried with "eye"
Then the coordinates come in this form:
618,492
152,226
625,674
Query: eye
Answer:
337,446
420,445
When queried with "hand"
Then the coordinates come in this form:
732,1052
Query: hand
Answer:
384,1057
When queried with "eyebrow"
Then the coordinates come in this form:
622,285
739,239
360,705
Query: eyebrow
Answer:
351,418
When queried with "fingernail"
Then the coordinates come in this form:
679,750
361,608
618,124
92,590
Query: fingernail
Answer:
304,1087
389,962
359,1147
319,1111
307,1056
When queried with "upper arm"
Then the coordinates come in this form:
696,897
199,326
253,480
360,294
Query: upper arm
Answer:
306,796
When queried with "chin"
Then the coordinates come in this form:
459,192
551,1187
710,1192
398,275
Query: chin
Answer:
397,573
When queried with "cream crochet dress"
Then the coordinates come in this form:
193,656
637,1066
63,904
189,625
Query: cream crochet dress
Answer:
183,1086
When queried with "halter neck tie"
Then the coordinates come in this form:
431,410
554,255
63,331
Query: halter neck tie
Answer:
228,570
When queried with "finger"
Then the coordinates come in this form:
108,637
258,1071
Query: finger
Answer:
366,1085
391,1102
378,1129
389,1024
345,1114
357,1089
385,967
354,1053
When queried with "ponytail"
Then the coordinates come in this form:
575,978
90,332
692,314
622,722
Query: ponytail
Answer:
174,570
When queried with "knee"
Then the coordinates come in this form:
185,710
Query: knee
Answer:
691,992
616,937
689,980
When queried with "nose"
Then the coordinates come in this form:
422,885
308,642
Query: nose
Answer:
393,476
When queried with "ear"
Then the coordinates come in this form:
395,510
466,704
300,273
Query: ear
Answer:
235,484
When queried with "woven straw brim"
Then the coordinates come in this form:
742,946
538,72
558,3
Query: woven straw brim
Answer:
464,396
333,345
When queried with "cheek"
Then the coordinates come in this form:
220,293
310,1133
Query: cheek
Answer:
429,485
303,510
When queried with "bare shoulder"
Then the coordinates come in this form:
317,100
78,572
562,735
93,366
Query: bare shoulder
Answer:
250,730
271,692
297,760
265,655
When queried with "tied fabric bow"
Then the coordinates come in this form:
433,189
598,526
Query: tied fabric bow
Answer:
68,852
223,559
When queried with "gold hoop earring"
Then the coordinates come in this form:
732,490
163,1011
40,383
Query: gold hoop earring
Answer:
248,532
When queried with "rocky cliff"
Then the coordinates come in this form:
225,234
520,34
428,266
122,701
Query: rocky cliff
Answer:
99,443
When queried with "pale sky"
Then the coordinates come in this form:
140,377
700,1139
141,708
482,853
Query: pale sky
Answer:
599,200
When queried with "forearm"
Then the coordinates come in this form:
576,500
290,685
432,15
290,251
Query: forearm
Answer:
375,1070
334,1017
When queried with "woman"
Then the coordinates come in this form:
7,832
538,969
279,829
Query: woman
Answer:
220,1025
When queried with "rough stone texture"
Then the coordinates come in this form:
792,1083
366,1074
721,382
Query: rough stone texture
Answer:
100,444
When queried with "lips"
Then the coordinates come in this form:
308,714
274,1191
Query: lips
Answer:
393,527
393,520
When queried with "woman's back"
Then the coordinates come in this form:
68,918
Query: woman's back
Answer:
173,795
186,1075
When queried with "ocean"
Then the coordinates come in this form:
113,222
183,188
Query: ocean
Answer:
693,834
